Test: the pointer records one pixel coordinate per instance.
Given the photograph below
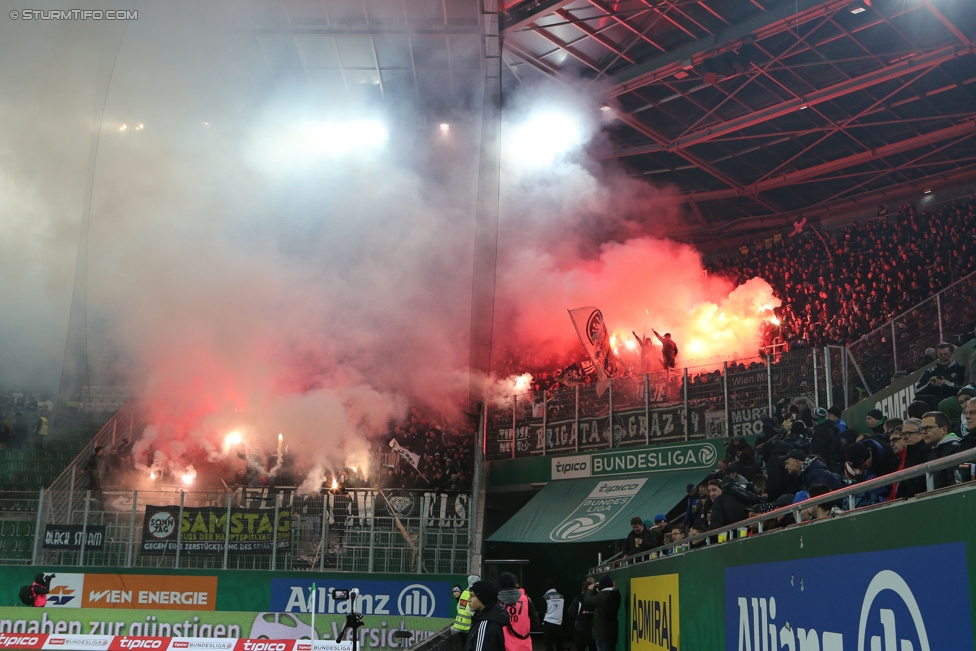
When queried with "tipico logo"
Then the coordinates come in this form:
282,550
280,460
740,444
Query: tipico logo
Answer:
600,507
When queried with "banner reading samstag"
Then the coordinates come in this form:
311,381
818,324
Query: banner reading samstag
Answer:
204,530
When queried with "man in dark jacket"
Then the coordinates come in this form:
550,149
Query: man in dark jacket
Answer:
778,480
811,471
943,443
825,441
875,420
488,620
584,620
640,539
942,380
604,601
726,509
916,451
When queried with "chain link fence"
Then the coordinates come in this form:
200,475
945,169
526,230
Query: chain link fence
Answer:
369,530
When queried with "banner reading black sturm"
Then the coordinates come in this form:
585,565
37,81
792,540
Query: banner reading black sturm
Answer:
204,530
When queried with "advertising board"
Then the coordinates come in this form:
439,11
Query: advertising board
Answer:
890,600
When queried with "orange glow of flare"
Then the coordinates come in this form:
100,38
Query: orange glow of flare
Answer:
631,344
234,438
187,478
335,484
774,321
523,382
152,475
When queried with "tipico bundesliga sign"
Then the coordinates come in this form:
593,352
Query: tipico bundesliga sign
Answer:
660,458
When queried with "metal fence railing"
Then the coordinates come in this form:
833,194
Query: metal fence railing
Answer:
845,499
900,344
362,530
722,399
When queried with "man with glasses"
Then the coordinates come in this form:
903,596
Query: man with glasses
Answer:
935,432
912,450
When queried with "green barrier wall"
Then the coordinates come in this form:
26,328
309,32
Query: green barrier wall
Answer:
184,623
237,590
931,520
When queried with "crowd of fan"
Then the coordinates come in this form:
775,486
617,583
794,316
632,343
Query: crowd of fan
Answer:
837,290
445,455
805,453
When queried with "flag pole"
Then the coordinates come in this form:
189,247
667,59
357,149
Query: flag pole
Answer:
312,604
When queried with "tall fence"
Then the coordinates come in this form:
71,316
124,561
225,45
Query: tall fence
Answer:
686,404
370,530
900,344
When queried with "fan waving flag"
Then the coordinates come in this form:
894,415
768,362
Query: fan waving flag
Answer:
410,457
595,338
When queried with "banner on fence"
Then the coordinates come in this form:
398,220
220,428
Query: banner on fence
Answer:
162,591
35,627
69,537
204,530
388,598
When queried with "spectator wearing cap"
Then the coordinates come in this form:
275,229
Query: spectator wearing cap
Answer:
834,415
942,380
870,458
943,443
726,509
825,441
811,470
520,612
489,620
875,420
604,601
778,480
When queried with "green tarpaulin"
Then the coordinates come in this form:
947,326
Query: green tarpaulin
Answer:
591,510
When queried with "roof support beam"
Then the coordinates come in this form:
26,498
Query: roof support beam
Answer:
945,21
785,16
737,189
959,130
520,16
927,60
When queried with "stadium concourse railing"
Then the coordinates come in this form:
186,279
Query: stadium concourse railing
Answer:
361,530
846,499
900,344
712,401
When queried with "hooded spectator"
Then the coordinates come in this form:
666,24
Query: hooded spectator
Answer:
489,620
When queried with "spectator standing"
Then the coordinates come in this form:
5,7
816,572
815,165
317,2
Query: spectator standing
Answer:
943,443
803,411
825,441
638,540
489,619
604,600
40,588
669,349
21,430
726,509
693,500
94,471
584,619
519,629
462,623
942,380
40,431
834,415
552,622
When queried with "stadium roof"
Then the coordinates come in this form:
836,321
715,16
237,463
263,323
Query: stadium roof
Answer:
755,110
759,108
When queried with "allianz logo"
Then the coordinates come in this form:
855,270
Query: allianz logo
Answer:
758,630
415,600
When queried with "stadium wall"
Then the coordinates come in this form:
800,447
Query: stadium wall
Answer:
425,596
911,559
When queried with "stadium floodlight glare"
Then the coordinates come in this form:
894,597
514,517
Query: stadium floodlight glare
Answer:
338,138
445,127
544,137
303,144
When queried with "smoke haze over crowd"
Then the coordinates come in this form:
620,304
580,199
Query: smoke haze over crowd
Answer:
241,278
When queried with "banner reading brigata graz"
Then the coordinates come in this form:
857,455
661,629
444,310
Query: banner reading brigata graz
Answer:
388,598
660,458
899,600
204,530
